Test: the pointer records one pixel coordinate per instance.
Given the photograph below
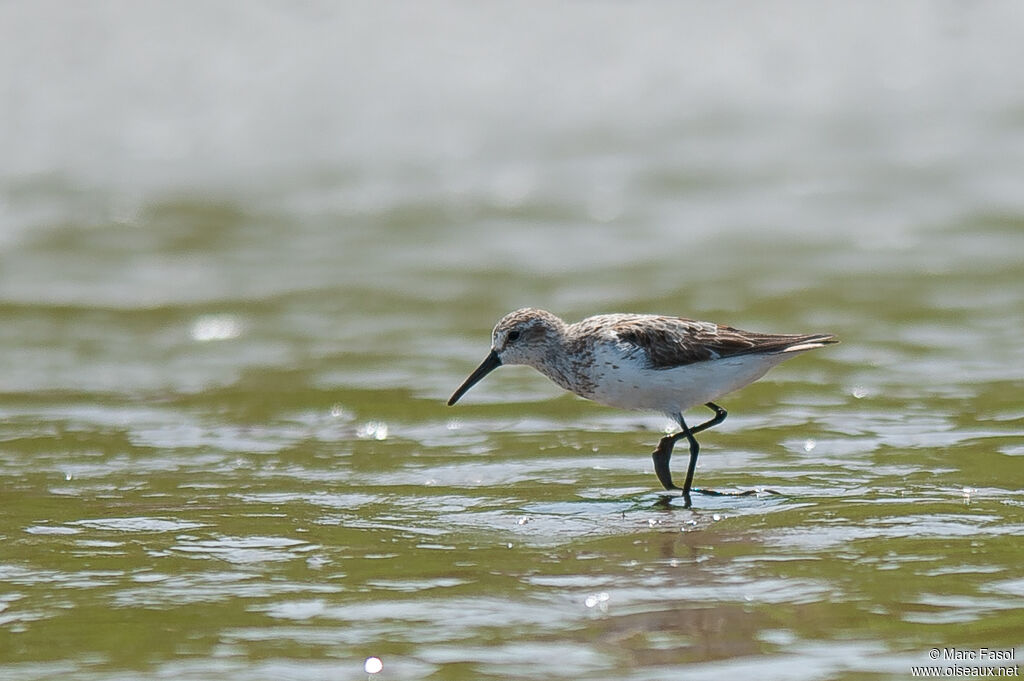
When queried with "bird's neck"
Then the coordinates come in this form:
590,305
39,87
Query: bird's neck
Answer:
566,363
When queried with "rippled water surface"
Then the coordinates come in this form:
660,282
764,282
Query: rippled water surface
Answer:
246,254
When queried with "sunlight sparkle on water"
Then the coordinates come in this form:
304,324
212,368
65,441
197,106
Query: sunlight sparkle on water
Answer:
373,430
215,327
373,665
598,600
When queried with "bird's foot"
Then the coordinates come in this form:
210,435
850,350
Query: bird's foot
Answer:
671,494
747,493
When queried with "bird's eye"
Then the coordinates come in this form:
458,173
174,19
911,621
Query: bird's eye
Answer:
513,336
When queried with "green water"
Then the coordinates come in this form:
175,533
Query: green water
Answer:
225,450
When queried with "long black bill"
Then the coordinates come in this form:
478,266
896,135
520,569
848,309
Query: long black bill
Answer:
490,363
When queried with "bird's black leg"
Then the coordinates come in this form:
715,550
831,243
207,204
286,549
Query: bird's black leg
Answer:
694,451
663,453
688,432
719,416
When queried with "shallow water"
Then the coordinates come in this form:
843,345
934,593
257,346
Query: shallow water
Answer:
245,258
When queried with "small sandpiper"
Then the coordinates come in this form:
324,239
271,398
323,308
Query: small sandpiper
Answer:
645,362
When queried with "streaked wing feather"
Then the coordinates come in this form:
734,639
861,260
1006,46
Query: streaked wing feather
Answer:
668,342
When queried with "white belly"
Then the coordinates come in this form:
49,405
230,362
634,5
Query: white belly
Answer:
627,385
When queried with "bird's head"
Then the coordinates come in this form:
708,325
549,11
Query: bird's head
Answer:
525,336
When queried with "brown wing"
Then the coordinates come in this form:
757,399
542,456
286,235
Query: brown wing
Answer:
668,342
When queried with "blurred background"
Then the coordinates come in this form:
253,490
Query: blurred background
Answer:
248,250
